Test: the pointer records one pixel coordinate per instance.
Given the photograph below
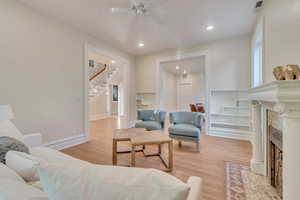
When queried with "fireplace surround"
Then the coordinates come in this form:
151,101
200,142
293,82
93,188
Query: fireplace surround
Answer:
282,98
275,150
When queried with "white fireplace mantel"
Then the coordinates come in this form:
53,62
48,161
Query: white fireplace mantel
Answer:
277,92
283,97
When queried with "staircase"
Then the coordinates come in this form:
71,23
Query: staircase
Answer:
100,76
233,121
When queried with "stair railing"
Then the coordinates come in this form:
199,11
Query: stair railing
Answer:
98,73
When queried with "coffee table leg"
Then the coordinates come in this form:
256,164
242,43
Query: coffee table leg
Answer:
132,156
170,144
159,148
114,151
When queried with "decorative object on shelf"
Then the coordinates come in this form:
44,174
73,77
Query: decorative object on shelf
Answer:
290,72
279,73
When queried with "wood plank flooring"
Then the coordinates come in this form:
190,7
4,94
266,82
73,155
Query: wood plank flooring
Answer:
209,164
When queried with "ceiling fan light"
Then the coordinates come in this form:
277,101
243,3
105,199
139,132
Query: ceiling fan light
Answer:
210,27
141,44
113,10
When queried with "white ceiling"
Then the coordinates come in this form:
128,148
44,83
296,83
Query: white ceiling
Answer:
191,65
169,24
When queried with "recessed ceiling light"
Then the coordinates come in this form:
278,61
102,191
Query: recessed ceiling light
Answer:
210,27
177,67
141,44
113,61
113,10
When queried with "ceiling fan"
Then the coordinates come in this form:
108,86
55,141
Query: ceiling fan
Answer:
136,7
144,17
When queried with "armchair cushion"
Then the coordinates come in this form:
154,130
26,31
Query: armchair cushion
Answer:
149,125
184,130
193,118
151,119
147,115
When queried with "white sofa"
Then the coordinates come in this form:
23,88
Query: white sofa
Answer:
34,141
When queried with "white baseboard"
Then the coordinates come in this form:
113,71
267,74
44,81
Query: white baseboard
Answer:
67,142
132,124
99,116
232,134
258,167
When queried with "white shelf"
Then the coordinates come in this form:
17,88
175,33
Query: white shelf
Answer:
145,93
229,115
144,104
231,126
230,133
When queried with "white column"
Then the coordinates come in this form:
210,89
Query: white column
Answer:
257,161
291,152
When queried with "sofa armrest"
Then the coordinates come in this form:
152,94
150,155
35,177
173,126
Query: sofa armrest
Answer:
33,140
195,183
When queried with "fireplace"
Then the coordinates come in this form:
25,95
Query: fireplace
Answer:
274,149
276,135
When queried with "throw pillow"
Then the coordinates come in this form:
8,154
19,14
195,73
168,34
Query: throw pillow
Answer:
7,173
24,164
94,182
15,190
8,144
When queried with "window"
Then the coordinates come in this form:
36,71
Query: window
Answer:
257,64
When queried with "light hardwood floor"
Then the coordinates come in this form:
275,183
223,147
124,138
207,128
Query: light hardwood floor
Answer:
208,164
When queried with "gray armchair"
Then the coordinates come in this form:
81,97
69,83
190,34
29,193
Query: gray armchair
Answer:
186,126
151,119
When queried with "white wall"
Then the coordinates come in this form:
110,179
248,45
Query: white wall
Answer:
146,74
98,107
229,64
282,30
41,72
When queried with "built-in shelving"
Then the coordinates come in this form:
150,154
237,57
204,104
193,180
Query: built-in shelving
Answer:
230,114
145,100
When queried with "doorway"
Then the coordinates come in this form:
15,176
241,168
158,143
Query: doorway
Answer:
191,87
106,85
183,83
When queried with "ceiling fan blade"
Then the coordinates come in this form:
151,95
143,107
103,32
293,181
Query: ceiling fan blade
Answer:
134,2
154,4
116,11
120,11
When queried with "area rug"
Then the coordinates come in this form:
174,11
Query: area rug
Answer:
242,184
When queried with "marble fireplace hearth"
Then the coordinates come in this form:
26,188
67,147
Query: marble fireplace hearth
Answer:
283,98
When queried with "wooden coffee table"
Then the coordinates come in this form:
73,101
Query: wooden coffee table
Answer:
141,137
